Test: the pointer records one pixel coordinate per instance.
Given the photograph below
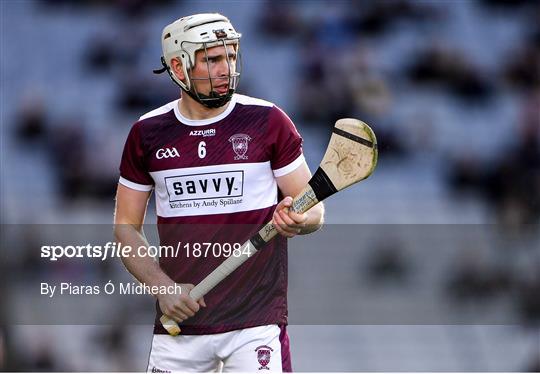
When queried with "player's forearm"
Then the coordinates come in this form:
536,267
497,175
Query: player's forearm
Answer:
145,268
315,219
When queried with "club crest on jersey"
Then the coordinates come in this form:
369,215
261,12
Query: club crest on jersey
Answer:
263,356
167,153
207,132
240,145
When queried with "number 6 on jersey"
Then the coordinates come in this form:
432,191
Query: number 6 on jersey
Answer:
202,149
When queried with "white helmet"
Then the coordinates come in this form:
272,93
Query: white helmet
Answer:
182,38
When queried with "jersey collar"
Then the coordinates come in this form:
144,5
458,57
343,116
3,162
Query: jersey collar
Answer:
207,121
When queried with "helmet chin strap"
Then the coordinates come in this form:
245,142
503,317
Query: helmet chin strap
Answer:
213,100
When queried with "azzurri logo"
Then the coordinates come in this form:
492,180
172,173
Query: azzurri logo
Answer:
207,132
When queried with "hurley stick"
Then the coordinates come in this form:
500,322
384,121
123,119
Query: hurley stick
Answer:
351,156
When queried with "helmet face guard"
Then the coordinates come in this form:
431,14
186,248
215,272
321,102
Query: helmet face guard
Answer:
184,37
214,99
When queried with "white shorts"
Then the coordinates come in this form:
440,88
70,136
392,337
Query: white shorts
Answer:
255,349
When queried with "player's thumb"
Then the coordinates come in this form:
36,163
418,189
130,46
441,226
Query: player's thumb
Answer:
201,302
285,203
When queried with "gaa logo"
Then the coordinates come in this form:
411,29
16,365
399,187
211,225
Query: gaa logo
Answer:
167,153
240,145
263,356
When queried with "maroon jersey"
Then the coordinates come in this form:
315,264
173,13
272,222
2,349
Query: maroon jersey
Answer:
214,182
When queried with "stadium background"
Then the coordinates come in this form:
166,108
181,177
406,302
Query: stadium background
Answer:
452,89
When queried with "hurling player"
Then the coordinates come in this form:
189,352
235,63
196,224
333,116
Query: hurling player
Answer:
221,165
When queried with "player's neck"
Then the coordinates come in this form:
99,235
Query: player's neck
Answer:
191,109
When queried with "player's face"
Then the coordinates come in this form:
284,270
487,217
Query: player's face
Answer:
213,69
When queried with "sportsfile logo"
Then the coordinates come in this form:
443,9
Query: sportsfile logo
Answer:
205,186
208,132
167,153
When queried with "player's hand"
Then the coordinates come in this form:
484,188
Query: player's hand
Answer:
287,222
180,307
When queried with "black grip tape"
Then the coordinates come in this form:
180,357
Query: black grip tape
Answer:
321,185
353,137
257,241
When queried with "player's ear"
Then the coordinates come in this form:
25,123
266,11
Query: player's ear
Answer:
176,66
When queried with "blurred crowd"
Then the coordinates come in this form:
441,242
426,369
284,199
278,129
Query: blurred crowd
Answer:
340,75
381,61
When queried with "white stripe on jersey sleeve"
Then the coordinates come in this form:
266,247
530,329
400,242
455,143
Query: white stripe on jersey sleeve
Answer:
289,168
248,100
161,110
135,186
